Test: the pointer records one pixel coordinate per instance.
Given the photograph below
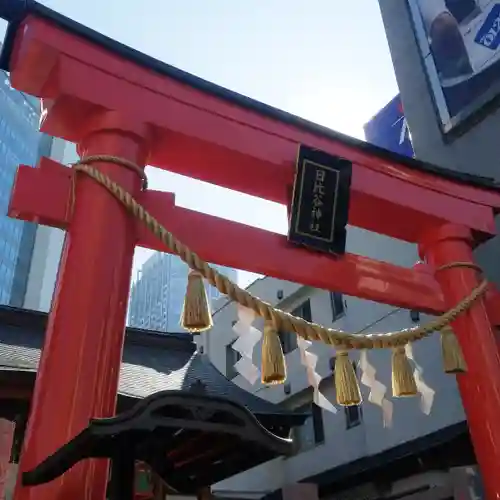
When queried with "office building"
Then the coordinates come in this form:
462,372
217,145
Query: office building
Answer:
47,246
19,144
157,295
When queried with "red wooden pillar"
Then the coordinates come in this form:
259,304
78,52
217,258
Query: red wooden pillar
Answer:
480,386
78,374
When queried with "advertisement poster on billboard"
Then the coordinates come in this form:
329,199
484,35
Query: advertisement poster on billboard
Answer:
460,45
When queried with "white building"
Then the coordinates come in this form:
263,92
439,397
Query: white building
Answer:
330,445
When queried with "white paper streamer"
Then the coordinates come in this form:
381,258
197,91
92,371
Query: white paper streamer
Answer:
248,338
426,392
248,370
377,389
309,360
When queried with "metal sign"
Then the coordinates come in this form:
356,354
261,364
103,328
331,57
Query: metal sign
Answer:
320,201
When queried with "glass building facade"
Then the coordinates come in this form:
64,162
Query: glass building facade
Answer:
19,144
157,296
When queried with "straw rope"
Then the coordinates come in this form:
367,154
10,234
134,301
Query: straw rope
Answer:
282,320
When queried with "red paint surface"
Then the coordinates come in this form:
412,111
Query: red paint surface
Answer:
204,137
232,244
493,305
229,243
78,374
480,386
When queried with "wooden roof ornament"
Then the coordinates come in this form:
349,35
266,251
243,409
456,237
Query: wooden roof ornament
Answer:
140,111
189,440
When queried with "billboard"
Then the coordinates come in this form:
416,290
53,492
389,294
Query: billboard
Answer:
459,43
388,129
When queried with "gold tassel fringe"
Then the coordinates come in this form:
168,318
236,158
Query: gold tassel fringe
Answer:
346,381
403,381
273,367
196,316
453,358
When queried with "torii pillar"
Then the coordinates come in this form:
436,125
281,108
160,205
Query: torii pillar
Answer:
113,101
79,367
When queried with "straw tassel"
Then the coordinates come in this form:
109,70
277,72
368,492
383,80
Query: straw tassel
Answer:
453,358
196,316
403,381
346,382
273,370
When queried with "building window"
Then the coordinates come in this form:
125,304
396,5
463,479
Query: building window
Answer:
232,357
353,414
312,432
304,311
288,339
415,316
337,303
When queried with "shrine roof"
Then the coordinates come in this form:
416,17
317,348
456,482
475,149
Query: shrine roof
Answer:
15,11
151,362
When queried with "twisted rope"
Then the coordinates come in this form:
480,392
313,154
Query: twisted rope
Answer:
88,160
282,320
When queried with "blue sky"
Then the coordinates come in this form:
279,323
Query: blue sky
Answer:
324,60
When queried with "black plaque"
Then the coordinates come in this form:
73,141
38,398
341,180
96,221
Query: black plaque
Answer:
320,201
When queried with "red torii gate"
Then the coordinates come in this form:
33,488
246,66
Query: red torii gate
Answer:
111,100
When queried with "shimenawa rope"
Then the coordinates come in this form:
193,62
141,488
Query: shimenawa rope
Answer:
281,319
196,315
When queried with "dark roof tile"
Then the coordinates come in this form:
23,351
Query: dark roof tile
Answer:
151,362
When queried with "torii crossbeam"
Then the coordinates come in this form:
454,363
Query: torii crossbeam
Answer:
112,100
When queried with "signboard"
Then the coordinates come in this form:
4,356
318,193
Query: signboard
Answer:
388,129
6,438
320,202
459,42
